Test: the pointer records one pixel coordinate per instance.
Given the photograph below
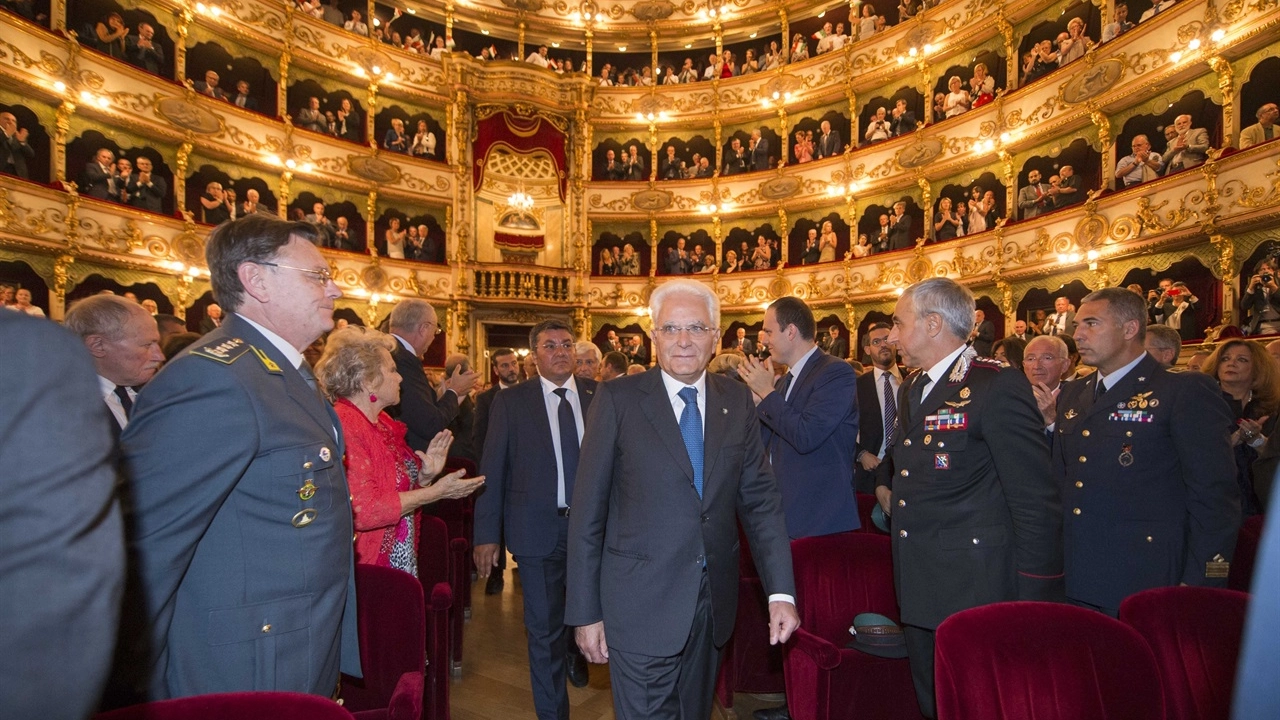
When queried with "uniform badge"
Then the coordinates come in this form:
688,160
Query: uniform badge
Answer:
928,439
1218,567
303,518
267,362
1070,414
307,491
946,419
958,405
965,393
942,461
1126,455
225,352
1140,401
325,455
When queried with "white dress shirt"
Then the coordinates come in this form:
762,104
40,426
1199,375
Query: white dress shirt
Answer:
113,401
290,352
796,369
937,371
552,403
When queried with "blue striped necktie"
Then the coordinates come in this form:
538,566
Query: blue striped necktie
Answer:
691,433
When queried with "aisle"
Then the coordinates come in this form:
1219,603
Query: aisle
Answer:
495,670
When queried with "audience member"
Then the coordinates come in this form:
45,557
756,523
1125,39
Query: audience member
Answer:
1040,61
877,127
1045,360
1190,148
424,142
209,86
218,205
671,167
1009,352
99,177
143,51
900,235
356,24
423,410
799,48
773,58
243,421
15,153
1156,8
1073,46
22,303
877,393
633,165
946,224
311,118
736,160
1063,321
1120,26
982,87
586,360
212,318
1250,382
901,120
242,98
1141,165
829,142
350,125
389,482
111,33
62,571
759,151
1260,304
1034,199
958,100
629,261
867,22
1262,131
1164,344
146,190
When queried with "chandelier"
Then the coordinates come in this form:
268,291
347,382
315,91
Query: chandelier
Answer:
520,200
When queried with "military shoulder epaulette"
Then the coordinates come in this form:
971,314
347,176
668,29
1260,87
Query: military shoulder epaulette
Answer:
1175,369
987,362
225,352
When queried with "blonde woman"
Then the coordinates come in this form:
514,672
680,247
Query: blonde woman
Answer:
958,101
827,243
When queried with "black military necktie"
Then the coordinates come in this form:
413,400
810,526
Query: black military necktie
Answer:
1098,390
917,391
126,402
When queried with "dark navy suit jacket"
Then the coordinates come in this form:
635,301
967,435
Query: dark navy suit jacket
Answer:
519,465
812,439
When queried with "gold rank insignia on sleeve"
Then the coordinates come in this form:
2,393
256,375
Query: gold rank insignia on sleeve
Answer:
1218,567
225,352
267,362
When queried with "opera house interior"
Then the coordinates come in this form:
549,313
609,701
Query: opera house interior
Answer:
512,160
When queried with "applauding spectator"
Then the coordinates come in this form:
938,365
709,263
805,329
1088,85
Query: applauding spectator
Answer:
1262,131
958,100
14,150
1140,166
143,51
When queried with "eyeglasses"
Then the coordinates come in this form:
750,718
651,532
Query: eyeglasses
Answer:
697,332
324,277
551,347
880,341
438,329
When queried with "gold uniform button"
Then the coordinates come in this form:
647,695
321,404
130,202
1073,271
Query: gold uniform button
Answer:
266,628
903,472
902,533
306,465
1083,459
1084,433
1075,511
902,503
1148,538
1079,484
1128,433
907,442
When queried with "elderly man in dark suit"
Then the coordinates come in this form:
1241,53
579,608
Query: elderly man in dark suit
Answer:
877,406
743,343
143,51
983,335
672,462
15,152
829,142
98,179
124,341
62,566
246,583
531,455
809,422
1144,460
422,409
835,345
145,189
976,515
759,151
900,235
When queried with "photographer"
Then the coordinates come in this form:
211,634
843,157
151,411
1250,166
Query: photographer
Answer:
1179,306
878,127
1261,301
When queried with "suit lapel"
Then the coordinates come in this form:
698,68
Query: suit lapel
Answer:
715,427
1131,384
536,406
299,391
657,407
943,389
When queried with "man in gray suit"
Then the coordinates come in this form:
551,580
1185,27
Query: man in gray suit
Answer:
61,540
1063,319
653,557
1188,149
240,518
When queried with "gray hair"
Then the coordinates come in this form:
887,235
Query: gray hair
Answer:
1058,344
585,347
689,289
351,361
1165,338
1124,305
409,314
104,315
947,298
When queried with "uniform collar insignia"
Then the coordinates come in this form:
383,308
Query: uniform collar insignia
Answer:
961,369
267,362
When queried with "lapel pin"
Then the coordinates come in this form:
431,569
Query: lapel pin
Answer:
1070,414
724,411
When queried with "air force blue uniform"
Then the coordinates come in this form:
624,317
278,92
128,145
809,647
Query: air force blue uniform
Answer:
241,525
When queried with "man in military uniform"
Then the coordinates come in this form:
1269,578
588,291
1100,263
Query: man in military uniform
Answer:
240,517
1144,463
975,513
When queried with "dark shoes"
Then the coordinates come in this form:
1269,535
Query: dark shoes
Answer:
576,665
776,713
495,583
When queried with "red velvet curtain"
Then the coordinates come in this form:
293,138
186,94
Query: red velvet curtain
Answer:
518,242
521,134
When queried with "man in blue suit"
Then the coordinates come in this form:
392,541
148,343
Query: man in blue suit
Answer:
808,422
530,459
239,513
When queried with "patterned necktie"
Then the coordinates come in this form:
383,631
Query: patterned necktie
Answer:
890,413
691,433
568,442
125,401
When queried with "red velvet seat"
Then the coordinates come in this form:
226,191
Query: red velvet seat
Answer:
238,706
434,561
751,664
1195,634
1241,573
392,646
837,578
455,514
1017,660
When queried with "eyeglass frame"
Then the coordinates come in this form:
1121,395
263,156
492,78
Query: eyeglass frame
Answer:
695,331
324,276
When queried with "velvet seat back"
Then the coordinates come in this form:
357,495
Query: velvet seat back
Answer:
1241,573
240,706
391,616
1195,634
838,577
1011,661
434,562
